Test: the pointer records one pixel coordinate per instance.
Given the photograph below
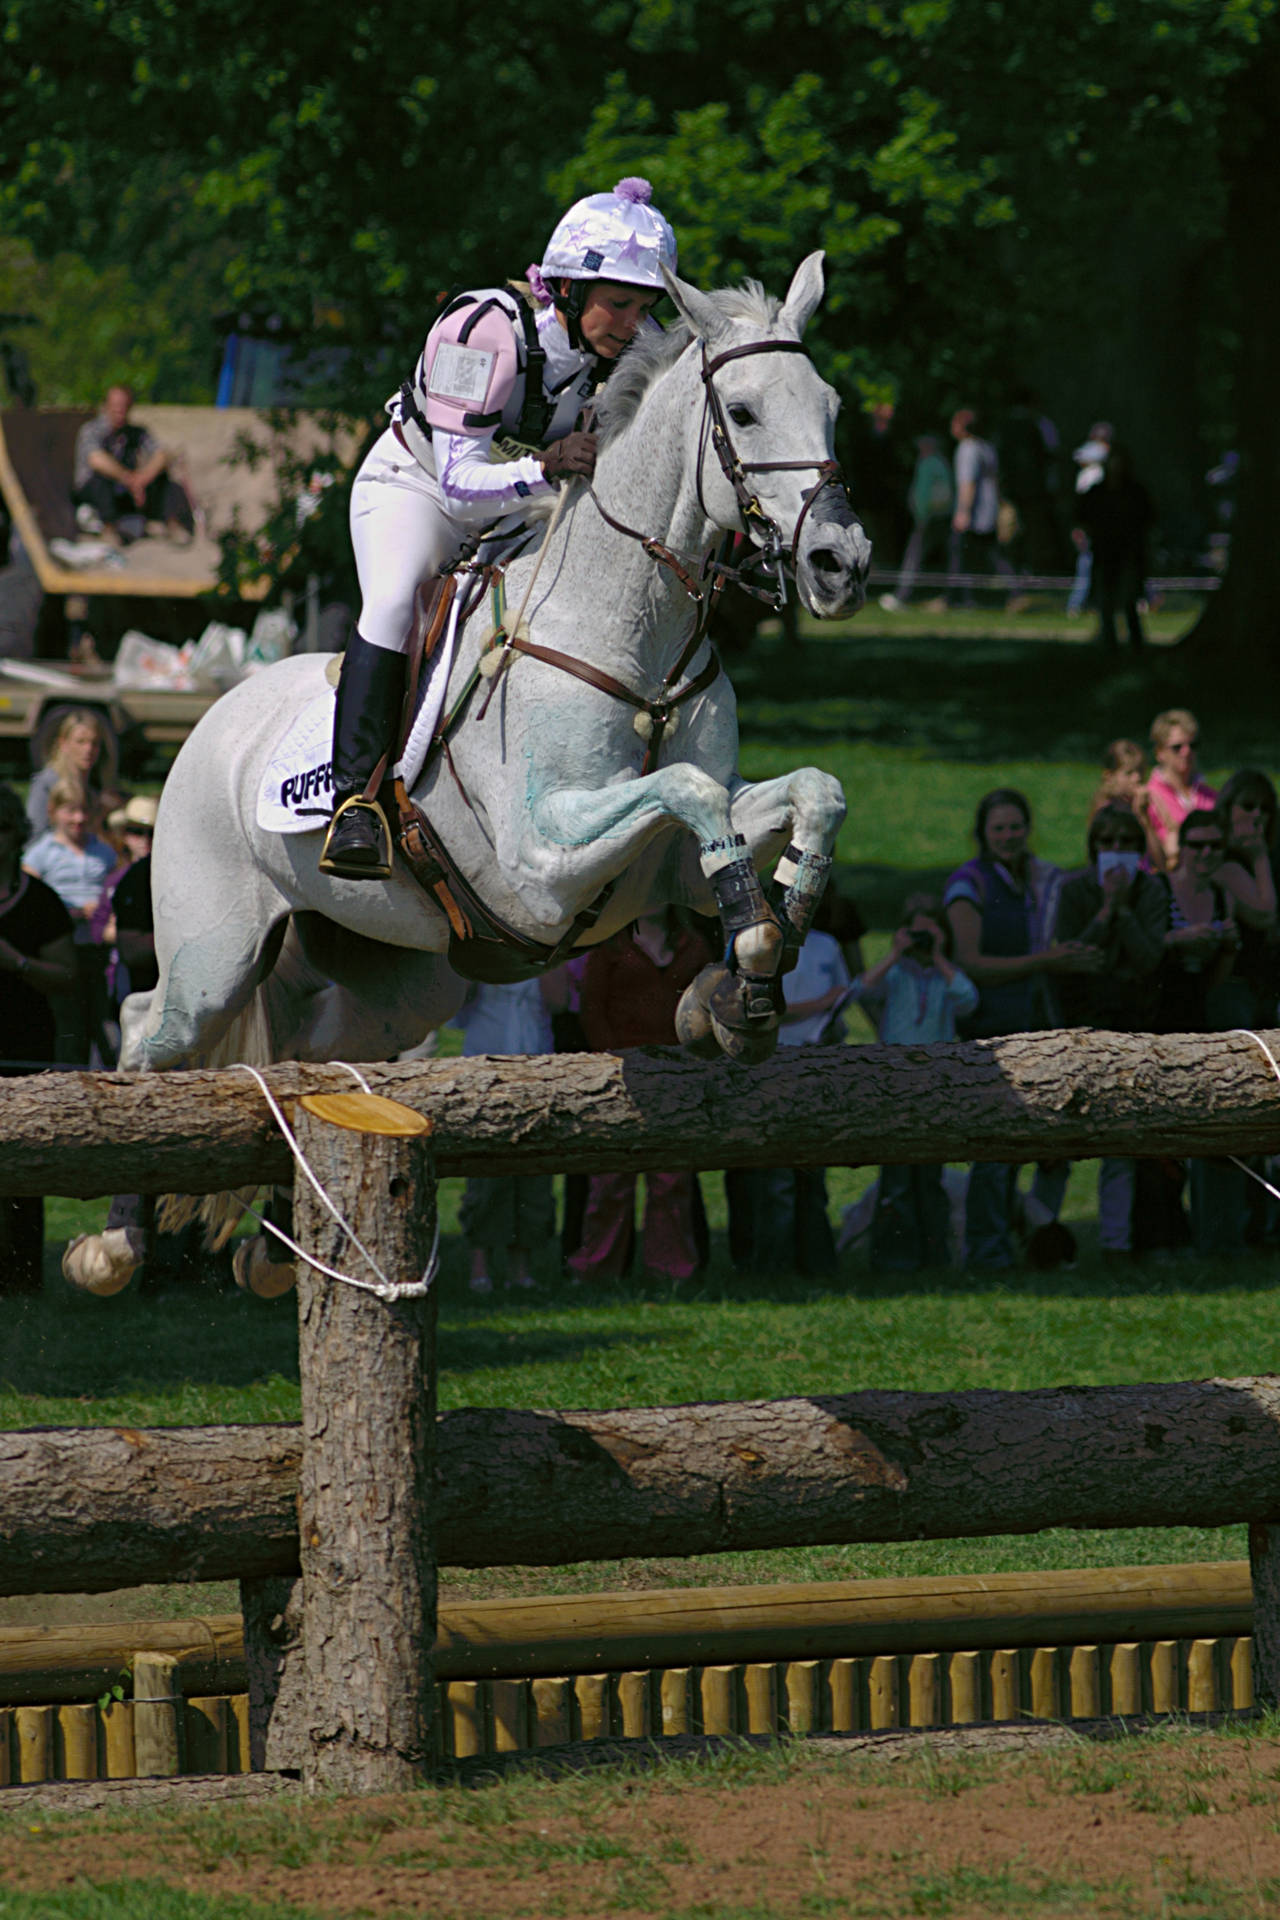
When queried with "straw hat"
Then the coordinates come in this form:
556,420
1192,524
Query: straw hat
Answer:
141,811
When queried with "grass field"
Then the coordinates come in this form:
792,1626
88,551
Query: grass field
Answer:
1177,1826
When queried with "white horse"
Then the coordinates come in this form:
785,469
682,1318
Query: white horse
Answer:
592,779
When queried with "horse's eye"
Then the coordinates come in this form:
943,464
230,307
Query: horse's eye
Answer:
742,416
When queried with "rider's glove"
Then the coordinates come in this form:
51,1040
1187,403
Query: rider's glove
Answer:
576,453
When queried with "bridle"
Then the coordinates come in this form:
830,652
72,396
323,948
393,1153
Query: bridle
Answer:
773,552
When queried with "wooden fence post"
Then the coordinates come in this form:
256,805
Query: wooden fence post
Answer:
367,1535
1264,1569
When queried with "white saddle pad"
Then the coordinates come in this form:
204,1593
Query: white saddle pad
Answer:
296,793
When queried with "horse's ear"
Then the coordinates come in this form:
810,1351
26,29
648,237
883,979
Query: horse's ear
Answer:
702,314
804,293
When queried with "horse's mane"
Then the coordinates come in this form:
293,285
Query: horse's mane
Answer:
651,354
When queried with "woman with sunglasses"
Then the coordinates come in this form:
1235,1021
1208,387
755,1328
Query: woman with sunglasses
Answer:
479,434
1175,788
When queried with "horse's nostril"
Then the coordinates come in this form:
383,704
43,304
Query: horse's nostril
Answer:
826,561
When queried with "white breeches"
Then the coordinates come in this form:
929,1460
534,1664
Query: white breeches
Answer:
401,534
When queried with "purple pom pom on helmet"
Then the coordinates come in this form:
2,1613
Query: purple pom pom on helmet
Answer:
618,236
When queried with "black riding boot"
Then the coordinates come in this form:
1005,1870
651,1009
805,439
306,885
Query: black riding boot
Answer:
370,694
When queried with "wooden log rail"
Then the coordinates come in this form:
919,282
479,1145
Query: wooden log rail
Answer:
692,1627
1065,1094
87,1509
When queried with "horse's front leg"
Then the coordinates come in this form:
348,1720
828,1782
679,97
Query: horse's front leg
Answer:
584,836
794,821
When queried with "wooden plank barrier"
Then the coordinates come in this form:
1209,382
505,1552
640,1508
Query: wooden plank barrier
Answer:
692,1626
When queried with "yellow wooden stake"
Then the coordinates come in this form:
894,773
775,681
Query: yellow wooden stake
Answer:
760,1684
924,1690
720,1689
1203,1691
1044,1685
800,1690
1126,1678
552,1712
1084,1681
1164,1676
674,1692
76,1744
1241,1668
34,1729
635,1705
964,1677
156,1704
1006,1687
591,1702
510,1707
117,1740
238,1733
206,1734
883,1692
843,1705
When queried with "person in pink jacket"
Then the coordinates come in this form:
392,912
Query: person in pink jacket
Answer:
478,436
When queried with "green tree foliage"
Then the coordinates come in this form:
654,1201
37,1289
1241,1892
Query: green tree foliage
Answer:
983,175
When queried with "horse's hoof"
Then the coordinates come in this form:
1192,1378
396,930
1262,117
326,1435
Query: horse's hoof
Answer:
104,1263
256,1272
693,1015
748,1046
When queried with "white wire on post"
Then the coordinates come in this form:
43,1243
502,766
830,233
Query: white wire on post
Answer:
385,1289
1249,1034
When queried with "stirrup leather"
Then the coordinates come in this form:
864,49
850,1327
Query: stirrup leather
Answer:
359,871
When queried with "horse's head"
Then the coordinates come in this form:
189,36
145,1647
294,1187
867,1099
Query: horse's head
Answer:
766,454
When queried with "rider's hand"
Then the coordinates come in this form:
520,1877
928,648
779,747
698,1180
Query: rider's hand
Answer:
575,454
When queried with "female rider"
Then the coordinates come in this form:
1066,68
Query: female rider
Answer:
440,475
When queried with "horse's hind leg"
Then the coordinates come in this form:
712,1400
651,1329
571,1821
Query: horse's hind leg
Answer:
209,980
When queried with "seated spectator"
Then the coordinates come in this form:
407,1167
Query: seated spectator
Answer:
1002,907
1121,911
84,751
630,992
37,962
513,1212
134,823
1175,789
915,994
72,860
121,488
1124,783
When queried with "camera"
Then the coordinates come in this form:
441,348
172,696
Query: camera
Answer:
920,946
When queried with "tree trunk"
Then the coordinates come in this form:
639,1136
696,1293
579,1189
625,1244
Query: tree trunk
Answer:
1242,620
1032,1096
84,1510
366,1516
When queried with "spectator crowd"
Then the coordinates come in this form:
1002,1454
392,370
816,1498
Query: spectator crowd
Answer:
1169,925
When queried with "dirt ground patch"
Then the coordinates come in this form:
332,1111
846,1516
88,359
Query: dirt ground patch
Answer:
1184,1824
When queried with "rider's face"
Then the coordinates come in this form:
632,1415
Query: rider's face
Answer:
612,313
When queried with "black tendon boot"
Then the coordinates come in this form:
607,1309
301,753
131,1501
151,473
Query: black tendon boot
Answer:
370,693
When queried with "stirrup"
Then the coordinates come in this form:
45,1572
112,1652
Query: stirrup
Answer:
339,861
